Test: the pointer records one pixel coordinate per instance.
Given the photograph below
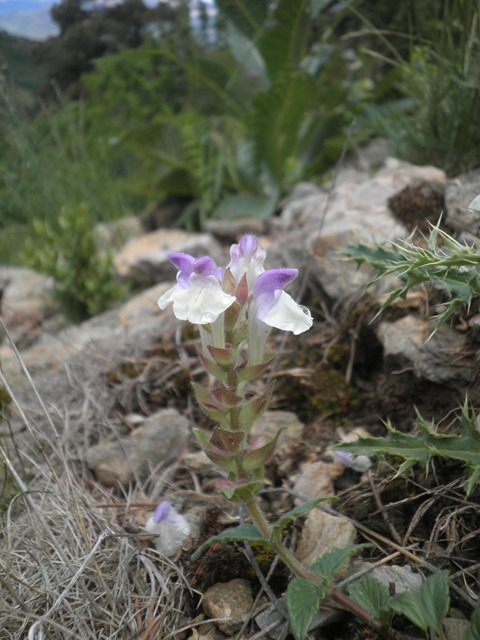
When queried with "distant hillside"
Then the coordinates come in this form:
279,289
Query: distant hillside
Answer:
17,63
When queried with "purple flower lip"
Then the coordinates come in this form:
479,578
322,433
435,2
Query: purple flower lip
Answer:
344,457
162,512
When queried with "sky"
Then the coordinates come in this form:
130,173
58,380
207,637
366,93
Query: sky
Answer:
31,18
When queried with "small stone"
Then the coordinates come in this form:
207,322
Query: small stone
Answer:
321,533
230,600
144,260
407,343
316,480
157,443
404,579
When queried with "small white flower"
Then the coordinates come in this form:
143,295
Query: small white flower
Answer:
170,528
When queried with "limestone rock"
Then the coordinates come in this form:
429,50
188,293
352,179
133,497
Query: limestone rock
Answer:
404,579
157,443
144,260
316,480
321,533
458,196
406,343
356,209
26,300
229,600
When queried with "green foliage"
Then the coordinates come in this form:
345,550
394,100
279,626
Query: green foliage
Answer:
425,444
303,597
473,631
66,250
303,600
290,516
451,267
243,533
426,609
437,80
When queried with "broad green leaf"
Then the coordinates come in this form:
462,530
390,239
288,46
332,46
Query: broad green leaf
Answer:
303,600
245,532
427,608
285,43
332,561
473,631
246,53
248,16
291,515
370,594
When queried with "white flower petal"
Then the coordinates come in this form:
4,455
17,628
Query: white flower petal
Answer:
167,297
200,305
287,315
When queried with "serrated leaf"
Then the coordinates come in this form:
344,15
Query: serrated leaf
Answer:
303,600
245,532
370,594
332,561
422,446
473,631
291,515
429,606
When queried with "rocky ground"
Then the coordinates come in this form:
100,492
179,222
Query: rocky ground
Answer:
99,429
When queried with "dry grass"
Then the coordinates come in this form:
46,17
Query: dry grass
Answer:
69,569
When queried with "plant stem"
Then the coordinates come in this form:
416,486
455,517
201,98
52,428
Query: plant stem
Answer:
301,571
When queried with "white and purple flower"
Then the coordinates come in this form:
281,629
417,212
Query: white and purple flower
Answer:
169,528
200,298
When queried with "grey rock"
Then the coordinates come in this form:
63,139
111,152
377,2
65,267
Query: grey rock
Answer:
113,235
354,210
139,318
26,301
144,260
271,421
156,444
322,532
404,579
229,600
406,343
459,195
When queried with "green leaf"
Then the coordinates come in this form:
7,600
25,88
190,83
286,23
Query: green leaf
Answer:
250,372
303,600
285,43
422,446
332,561
427,608
243,493
226,397
291,515
473,631
246,53
245,532
370,594
248,16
